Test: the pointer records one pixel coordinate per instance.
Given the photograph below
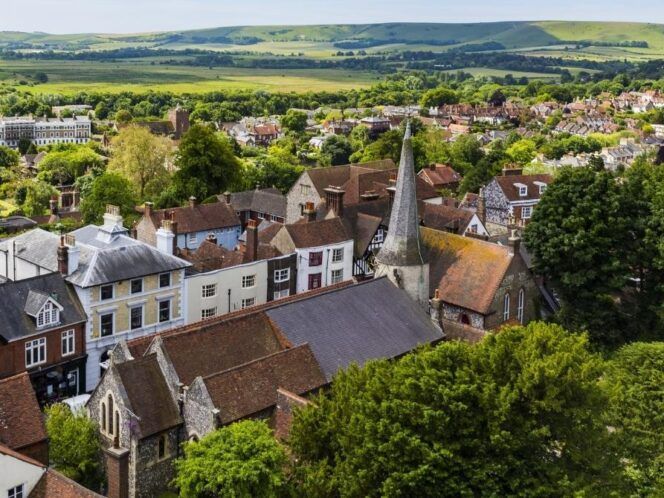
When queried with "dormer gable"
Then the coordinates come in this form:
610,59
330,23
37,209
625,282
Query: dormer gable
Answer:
522,189
541,187
43,308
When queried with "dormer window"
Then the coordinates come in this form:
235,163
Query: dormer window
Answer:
523,189
49,315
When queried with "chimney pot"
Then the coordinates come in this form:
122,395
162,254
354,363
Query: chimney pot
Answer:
309,212
192,201
148,209
514,242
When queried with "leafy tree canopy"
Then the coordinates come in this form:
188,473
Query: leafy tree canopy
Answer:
108,188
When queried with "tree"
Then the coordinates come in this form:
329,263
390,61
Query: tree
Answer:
141,157
206,164
33,197
337,150
437,97
241,460
517,415
108,188
9,158
123,116
295,121
74,447
41,77
64,166
522,152
575,236
24,145
497,98
634,380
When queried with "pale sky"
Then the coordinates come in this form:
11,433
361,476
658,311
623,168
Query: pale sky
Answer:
127,16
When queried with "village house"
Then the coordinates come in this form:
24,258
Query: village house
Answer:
513,196
452,219
42,331
127,288
176,124
376,125
440,176
258,204
192,224
251,364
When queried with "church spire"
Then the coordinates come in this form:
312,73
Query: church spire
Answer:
400,259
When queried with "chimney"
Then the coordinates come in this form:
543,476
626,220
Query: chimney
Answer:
435,307
174,230
251,244
117,472
227,197
369,195
512,170
148,210
514,242
432,167
53,206
112,216
481,206
334,199
63,257
192,201
166,237
211,237
391,190
309,212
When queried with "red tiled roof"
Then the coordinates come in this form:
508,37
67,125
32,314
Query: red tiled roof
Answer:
53,484
317,233
199,218
441,217
440,176
21,421
507,182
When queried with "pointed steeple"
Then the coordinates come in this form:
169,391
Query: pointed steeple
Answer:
402,244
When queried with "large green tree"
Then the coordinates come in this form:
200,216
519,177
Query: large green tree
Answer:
438,96
295,121
520,414
243,460
8,157
336,150
206,164
74,446
64,165
108,188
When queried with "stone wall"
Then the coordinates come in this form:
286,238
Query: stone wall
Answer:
454,314
302,192
516,278
497,205
198,410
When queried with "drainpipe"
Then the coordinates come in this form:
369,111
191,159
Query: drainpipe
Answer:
327,266
229,300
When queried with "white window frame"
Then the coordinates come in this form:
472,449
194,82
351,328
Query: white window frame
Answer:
35,348
248,302
170,310
17,491
208,290
281,294
248,281
112,324
101,292
338,255
170,280
523,191
132,308
542,188
506,307
379,237
520,305
208,313
68,342
336,276
526,212
192,238
131,284
282,275
48,315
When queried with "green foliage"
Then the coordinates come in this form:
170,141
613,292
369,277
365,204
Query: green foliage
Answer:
123,116
522,152
8,157
336,150
206,164
74,447
437,97
517,415
295,121
64,166
24,145
240,460
108,188
33,196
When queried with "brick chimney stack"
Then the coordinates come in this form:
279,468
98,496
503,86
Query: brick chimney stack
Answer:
334,199
192,201
251,250
63,257
514,242
309,212
481,206
148,209
227,197
117,472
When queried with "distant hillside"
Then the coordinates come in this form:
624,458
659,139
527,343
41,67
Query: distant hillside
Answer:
511,35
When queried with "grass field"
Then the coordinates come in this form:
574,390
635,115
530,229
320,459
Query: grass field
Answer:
500,73
138,76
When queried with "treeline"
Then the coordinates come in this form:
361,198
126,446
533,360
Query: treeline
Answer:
594,43
375,42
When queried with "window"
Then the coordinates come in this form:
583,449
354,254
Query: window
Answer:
103,417
463,318
209,290
250,301
15,492
542,188
337,255
305,189
192,238
506,308
164,310
161,447
248,281
208,313
49,315
316,258
106,292
526,212
519,307
68,342
106,324
35,352
137,286
136,317
473,228
379,237
336,276
164,280
281,294
523,190
282,275
260,216
314,281
110,414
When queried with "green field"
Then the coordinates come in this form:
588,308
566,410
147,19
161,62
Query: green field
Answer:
138,76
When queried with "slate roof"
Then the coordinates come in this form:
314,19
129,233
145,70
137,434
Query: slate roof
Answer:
355,324
317,233
199,218
466,271
363,227
268,200
21,301
507,182
447,218
148,395
21,422
252,388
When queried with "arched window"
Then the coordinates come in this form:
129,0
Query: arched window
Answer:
103,417
506,307
520,303
161,452
117,423
110,414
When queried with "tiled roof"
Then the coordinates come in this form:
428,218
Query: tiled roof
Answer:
339,175
355,324
21,422
317,233
269,200
53,484
148,394
459,331
467,271
199,218
440,175
251,388
363,227
441,217
507,182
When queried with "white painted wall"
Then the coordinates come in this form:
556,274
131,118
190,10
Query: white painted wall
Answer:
14,472
326,268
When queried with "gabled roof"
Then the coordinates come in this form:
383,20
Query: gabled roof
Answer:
268,200
53,484
250,388
199,218
21,422
466,271
339,175
440,175
508,183
448,218
148,395
356,324
21,301
317,233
